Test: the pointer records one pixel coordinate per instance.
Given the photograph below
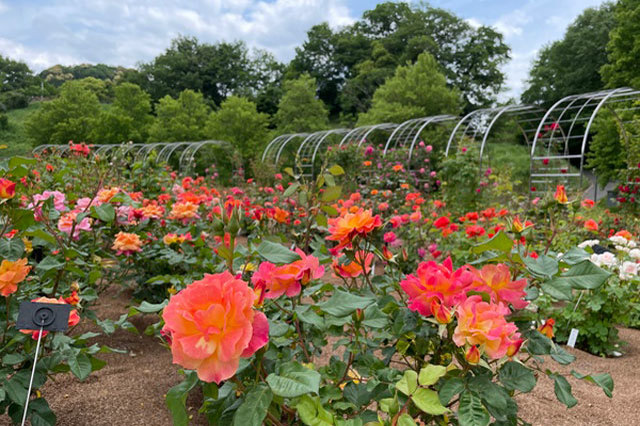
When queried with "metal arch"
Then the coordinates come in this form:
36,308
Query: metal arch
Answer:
189,153
274,141
500,111
167,151
145,151
455,130
360,134
42,148
409,131
436,119
587,105
107,150
312,144
286,141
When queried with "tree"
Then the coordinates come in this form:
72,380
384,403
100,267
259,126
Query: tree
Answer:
215,70
572,65
17,84
69,117
299,110
239,123
181,119
128,118
417,90
470,57
623,68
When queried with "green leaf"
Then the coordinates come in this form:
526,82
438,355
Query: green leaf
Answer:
104,212
336,170
288,170
430,374
406,420
515,376
276,253
254,408
321,220
341,303
427,400
21,161
330,210
575,255
312,412
408,383
290,190
22,218
331,193
603,380
150,308
43,235
544,265
41,414
500,242
80,366
561,356
557,288
48,263
562,389
177,397
585,275
471,412
295,380
11,249
450,388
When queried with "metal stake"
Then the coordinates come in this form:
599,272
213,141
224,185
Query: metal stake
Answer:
33,372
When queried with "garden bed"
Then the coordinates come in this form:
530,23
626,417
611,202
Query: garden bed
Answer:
130,389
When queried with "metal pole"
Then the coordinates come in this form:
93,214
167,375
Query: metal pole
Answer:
33,372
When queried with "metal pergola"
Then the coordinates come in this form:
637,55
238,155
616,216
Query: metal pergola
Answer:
562,136
360,135
308,150
476,127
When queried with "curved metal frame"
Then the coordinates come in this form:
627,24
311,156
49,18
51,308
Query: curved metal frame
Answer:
277,145
482,121
188,155
570,112
410,130
360,134
308,150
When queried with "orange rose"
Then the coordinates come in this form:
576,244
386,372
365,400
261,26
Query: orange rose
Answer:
7,188
212,324
12,273
106,194
184,211
127,243
561,195
349,225
591,225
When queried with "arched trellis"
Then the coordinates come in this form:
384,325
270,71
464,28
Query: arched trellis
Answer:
307,153
187,159
479,124
275,148
408,133
359,135
561,138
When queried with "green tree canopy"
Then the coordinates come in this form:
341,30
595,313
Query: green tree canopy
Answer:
239,123
128,118
215,70
70,116
623,68
417,90
181,119
572,65
299,110
470,58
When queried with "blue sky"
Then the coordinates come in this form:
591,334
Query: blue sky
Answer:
123,32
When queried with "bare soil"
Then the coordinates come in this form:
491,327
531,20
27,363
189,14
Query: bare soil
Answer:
130,389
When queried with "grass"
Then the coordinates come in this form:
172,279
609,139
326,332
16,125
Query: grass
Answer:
513,155
15,137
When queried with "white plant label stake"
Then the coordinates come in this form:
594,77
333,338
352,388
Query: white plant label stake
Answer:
573,336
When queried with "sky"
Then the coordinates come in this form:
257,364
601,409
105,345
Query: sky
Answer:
124,32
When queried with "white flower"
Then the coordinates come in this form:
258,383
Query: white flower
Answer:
632,244
628,270
618,240
604,259
588,243
635,254
621,248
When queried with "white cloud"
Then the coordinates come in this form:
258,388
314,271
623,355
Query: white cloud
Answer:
475,23
129,31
